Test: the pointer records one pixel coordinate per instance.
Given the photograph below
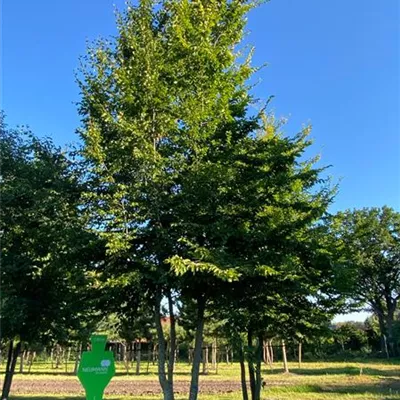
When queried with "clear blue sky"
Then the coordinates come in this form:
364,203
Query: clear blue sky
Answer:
332,63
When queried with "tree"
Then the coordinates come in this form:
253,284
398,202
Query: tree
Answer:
351,336
152,103
368,262
46,251
267,202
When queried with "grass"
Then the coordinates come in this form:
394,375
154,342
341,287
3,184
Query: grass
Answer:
364,380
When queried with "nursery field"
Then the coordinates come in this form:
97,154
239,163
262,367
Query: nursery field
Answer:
314,381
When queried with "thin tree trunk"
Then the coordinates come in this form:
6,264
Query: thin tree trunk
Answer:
60,356
125,355
78,358
257,393
148,357
205,360
7,372
190,356
271,352
265,353
67,359
386,346
166,386
30,362
172,347
11,363
215,355
52,357
194,384
300,353
138,356
21,362
285,363
154,356
245,394
250,362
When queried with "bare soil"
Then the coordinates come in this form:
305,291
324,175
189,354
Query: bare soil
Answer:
123,387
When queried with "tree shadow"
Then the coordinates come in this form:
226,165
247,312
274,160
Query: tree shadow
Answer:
61,397
385,386
345,370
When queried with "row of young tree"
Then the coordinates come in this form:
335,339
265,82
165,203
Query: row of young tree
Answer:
339,341
183,203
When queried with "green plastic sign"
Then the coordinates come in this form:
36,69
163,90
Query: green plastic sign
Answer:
96,368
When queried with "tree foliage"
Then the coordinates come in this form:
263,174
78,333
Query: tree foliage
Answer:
46,251
368,249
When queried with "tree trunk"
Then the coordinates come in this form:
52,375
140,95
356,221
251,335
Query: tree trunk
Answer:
30,361
382,329
78,358
194,384
149,351
390,336
257,394
250,362
21,361
59,356
67,359
10,369
285,363
172,347
214,357
154,356
52,357
268,354
300,353
271,351
125,355
190,356
166,386
245,394
265,353
205,360
7,372
138,356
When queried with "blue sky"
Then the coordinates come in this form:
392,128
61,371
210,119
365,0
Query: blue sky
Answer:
334,64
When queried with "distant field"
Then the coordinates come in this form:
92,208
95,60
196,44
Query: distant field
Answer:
314,381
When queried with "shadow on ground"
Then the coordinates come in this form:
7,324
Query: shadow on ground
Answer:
345,370
383,386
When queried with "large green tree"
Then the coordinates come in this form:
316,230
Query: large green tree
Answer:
368,264
291,296
46,250
187,187
152,103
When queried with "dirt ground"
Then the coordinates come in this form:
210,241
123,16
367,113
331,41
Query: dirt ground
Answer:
121,387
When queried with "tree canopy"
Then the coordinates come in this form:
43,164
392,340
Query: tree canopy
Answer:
368,251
